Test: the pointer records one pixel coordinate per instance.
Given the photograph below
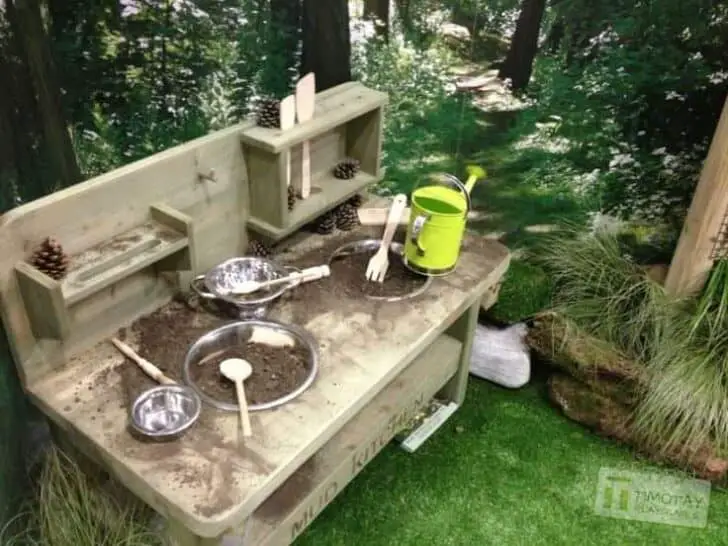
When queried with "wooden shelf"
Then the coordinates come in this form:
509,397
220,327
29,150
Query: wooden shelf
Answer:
334,107
348,122
291,508
326,193
47,301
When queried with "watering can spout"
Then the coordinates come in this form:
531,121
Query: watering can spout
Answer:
475,173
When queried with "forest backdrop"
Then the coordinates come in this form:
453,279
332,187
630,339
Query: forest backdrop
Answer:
616,99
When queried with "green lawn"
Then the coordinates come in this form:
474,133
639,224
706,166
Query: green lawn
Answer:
507,469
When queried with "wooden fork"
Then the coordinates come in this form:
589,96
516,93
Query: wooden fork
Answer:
378,264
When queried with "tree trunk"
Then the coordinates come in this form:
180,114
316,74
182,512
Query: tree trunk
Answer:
379,11
37,53
283,44
519,62
326,42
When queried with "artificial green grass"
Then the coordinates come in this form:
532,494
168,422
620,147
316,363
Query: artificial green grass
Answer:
505,470
508,469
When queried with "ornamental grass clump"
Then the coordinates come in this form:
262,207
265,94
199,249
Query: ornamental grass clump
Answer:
679,346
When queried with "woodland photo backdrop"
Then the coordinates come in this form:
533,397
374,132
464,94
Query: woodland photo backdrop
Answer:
586,108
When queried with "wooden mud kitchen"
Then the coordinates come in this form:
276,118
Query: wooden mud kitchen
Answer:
365,361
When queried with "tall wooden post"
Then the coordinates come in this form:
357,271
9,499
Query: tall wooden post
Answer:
693,257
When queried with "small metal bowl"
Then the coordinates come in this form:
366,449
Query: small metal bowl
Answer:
237,334
370,246
217,283
165,412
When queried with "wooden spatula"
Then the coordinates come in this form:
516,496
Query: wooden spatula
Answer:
288,120
379,263
305,104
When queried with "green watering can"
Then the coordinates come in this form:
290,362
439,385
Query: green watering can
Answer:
439,212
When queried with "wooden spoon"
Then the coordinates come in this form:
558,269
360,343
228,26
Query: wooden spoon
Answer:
305,275
288,120
305,104
238,370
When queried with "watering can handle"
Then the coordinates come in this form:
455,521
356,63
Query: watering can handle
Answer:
462,188
417,225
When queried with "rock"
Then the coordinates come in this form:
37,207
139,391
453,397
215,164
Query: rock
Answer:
454,34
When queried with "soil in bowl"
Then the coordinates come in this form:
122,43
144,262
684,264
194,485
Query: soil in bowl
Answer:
348,272
277,371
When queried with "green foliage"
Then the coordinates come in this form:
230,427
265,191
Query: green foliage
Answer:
637,88
681,344
74,509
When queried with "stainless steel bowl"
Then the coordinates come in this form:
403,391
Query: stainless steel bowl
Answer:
217,283
370,246
236,335
165,412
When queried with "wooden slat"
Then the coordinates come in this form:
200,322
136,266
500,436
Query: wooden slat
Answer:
95,212
288,511
693,260
326,193
344,103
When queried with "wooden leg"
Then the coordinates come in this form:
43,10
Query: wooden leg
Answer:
179,535
463,329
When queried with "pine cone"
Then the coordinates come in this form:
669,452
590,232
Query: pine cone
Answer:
50,259
326,223
256,248
356,201
346,169
291,197
347,217
268,113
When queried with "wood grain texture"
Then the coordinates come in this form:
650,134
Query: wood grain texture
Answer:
88,215
692,261
205,481
334,107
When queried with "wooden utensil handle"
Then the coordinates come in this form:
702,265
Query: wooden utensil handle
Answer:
305,169
147,367
243,405
395,213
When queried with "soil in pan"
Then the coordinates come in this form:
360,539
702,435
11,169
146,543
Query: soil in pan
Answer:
348,272
277,371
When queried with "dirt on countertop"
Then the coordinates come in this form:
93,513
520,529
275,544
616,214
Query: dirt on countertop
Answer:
277,371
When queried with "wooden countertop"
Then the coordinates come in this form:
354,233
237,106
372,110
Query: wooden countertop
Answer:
205,480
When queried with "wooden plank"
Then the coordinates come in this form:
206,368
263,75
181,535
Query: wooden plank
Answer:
693,260
118,258
43,299
364,136
464,331
341,105
205,480
290,510
93,212
326,193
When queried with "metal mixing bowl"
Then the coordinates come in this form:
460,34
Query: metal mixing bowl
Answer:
370,246
236,335
217,283
165,412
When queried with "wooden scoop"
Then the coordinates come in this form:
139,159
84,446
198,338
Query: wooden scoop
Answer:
305,105
150,369
238,370
379,263
308,274
288,120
